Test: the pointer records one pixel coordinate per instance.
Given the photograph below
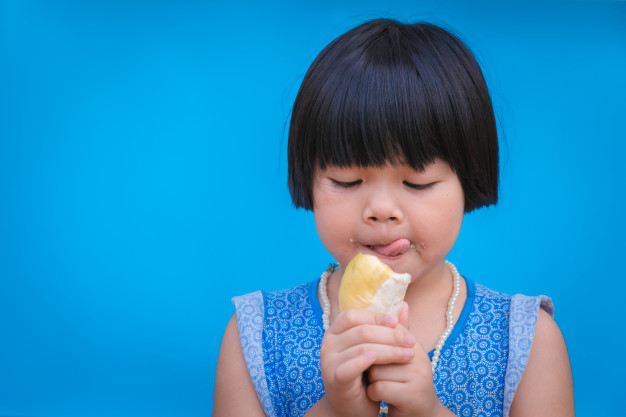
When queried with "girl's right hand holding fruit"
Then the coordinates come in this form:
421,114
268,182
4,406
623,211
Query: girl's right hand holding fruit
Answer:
356,340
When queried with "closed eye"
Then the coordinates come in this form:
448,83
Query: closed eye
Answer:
418,186
346,184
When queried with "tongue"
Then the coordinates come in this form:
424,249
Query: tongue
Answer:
395,248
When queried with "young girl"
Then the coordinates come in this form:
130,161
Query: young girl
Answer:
392,139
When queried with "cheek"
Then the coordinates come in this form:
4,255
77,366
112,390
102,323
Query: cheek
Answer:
321,224
454,216
446,218
333,234
457,207
331,215
329,223
443,226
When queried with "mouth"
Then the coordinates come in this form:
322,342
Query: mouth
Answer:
392,249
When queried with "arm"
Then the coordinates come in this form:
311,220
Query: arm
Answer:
546,388
234,393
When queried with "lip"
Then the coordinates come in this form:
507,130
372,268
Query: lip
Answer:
369,246
381,256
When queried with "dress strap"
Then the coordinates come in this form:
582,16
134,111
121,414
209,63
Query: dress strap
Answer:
523,315
250,316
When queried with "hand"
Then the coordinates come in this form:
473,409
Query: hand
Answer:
356,340
407,386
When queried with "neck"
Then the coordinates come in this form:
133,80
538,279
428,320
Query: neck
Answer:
430,286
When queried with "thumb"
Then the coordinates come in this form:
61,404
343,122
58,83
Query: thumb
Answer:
403,318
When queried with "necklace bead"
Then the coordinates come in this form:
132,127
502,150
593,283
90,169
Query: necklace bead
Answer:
456,281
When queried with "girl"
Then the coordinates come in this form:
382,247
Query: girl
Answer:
392,139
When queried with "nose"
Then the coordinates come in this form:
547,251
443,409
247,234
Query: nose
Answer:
382,207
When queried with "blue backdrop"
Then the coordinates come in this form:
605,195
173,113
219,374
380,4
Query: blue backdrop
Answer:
143,184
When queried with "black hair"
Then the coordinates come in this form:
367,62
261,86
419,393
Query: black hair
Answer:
388,92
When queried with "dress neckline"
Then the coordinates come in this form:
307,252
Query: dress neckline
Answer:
458,326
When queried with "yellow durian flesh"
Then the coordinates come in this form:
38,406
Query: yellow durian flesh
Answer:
369,284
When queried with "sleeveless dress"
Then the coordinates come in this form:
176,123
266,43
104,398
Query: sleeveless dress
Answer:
480,366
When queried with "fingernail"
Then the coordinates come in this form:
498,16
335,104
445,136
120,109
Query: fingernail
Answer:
370,355
408,353
410,340
390,319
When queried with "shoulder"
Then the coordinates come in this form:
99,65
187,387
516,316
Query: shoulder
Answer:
254,303
262,316
294,295
263,332
482,292
487,300
546,387
522,307
234,392
290,294
260,305
538,377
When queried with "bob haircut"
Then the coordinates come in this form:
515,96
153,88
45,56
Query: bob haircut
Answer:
387,92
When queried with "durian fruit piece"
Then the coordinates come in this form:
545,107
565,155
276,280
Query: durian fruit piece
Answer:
369,284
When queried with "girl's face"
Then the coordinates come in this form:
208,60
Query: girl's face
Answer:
409,219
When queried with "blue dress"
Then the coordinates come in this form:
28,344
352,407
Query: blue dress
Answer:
480,366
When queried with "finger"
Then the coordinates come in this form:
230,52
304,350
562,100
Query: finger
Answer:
403,395
355,317
418,367
398,372
352,369
403,318
374,334
389,391
384,354
390,372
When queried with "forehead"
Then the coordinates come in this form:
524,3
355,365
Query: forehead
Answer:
437,166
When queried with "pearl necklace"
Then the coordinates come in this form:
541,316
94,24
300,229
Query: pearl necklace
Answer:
456,279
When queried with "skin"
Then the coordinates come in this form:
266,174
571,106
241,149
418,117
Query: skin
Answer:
356,209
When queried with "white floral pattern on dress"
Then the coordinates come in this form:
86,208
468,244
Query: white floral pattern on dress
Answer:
522,320
250,315
480,366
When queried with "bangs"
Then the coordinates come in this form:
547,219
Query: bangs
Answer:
377,112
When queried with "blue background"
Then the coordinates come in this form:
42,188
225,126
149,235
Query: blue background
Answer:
143,184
